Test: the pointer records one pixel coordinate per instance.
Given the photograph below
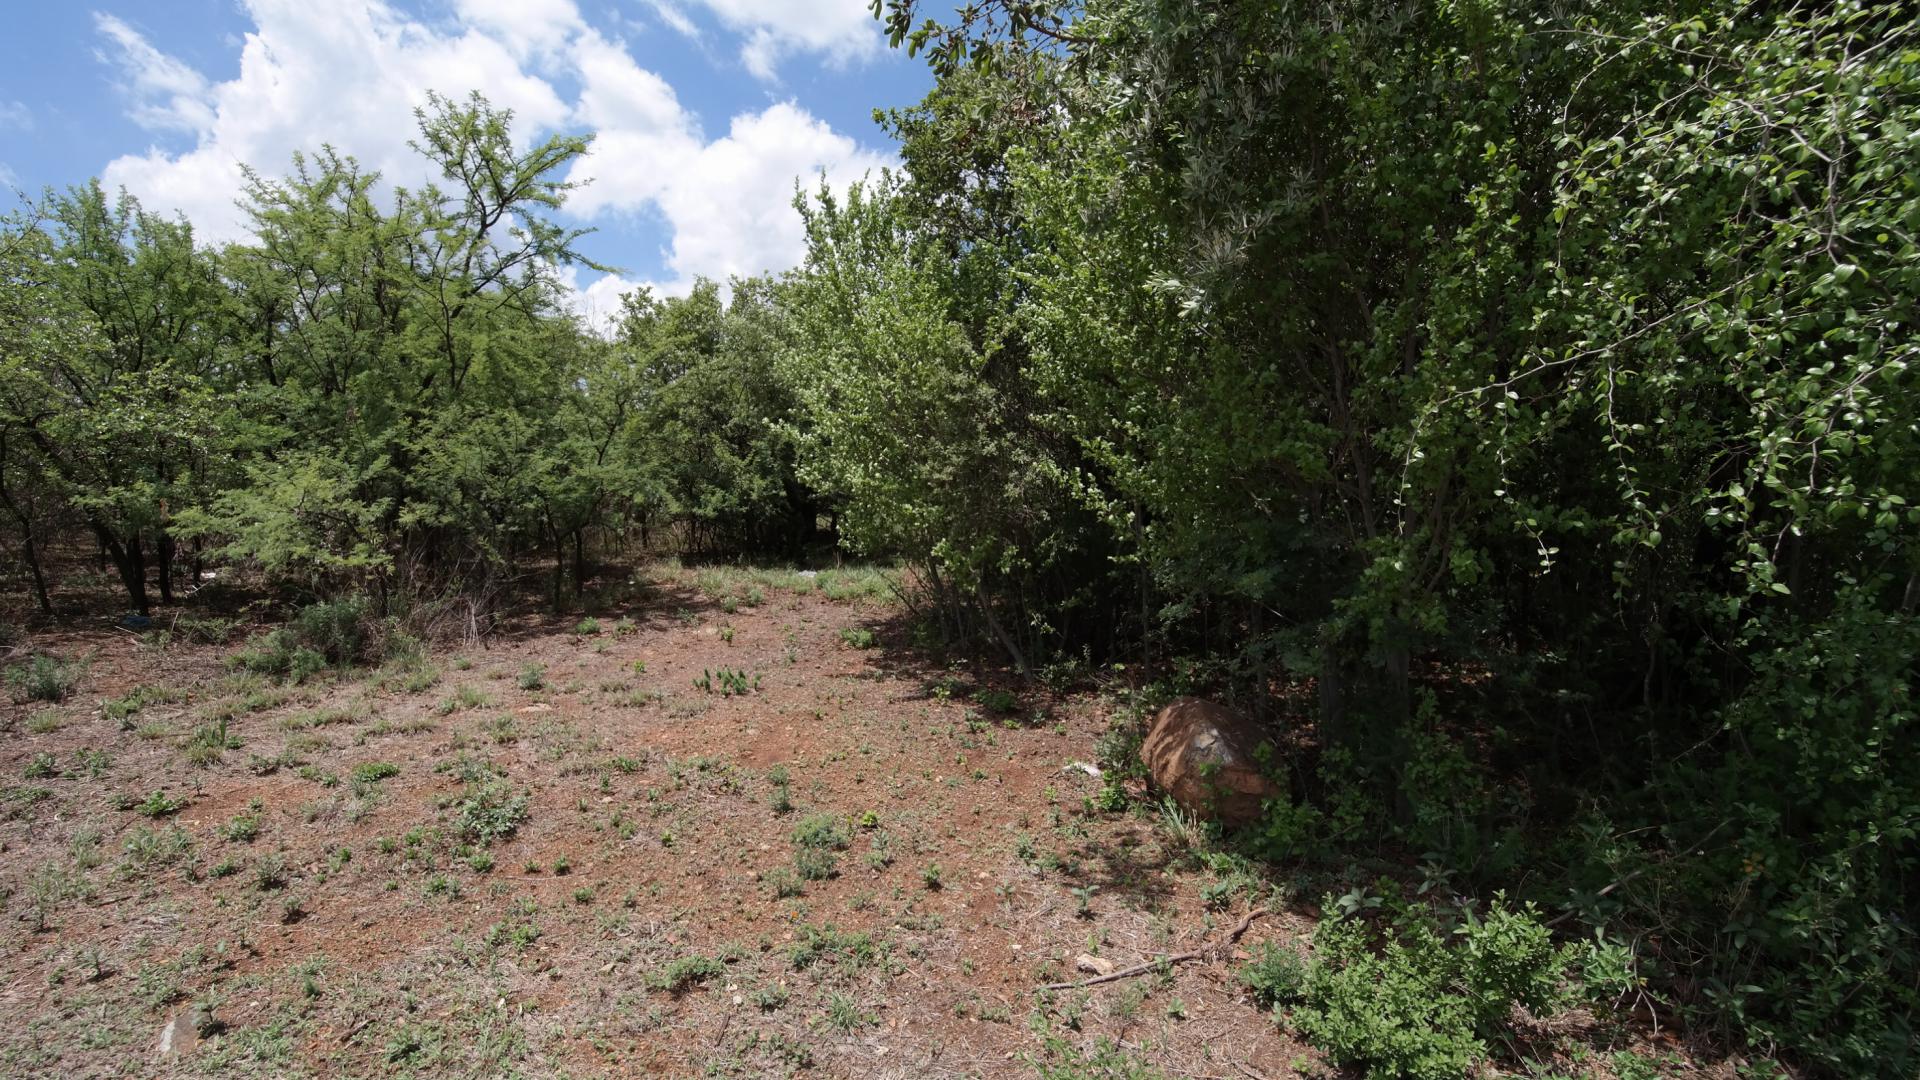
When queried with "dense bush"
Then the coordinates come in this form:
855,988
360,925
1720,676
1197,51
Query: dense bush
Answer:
1406,995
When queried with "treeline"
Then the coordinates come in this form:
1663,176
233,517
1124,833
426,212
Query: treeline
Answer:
1512,404
379,395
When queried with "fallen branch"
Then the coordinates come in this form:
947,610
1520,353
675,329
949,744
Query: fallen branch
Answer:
1165,961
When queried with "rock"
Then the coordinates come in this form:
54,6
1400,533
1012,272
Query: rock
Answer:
1202,754
181,1034
1098,965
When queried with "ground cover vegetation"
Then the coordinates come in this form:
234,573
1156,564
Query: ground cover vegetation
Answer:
1510,406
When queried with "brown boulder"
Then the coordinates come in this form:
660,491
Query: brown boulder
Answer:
1202,754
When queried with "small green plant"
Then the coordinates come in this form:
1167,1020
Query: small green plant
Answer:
533,677
42,766
814,864
244,828
727,682
726,634
587,627
209,743
997,701
1276,976
784,883
683,974
858,637
489,810
270,873
159,805
372,772
930,876
820,831
45,678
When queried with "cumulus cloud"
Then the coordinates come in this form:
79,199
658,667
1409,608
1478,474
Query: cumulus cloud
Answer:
840,30
350,74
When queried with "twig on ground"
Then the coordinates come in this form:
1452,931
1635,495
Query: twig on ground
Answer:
1165,961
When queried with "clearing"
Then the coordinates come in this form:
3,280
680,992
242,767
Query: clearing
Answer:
718,829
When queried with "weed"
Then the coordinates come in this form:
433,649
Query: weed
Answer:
813,864
210,742
44,722
820,831
685,973
41,766
489,811
270,873
930,876
244,828
858,637
1276,976
533,677
843,1015
587,627
784,884
727,682
160,804
149,847
45,678
372,772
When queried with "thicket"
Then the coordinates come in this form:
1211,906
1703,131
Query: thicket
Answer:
1513,405
1530,388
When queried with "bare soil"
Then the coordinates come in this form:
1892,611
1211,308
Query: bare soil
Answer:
300,914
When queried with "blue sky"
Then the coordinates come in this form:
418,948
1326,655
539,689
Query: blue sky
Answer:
705,110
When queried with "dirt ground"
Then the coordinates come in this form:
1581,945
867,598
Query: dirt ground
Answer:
859,865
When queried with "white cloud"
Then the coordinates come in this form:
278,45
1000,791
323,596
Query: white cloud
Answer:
731,205
350,73
841,30
528,27
167,93
15,114
671,14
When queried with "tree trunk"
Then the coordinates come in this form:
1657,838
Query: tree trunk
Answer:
131,560
579,562
39,578
163,551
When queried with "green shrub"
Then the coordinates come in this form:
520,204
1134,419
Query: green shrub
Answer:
490,810
821,832
858,637
1407,999
1275,976
684,973
45,678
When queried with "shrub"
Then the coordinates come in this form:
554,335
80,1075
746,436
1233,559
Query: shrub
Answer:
490,810
1275,976
820,832
45,678
858,637
684,973
1409,1000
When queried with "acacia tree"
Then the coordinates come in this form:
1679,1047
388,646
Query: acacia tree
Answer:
413,359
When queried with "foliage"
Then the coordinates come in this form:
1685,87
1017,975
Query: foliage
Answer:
45,678
1412,999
